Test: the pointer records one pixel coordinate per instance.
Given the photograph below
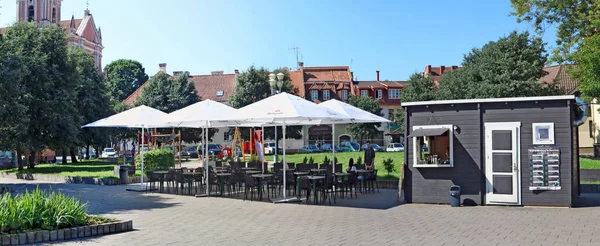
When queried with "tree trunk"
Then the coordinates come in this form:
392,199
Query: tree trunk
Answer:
19,159
31,161
64,156
87,152
73,156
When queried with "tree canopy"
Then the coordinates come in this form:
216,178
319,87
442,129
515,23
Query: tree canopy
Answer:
508,67
362,130
123,77
577,37
252,86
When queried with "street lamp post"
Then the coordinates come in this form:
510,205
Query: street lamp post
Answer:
276,81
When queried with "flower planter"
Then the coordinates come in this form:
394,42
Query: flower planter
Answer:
66,234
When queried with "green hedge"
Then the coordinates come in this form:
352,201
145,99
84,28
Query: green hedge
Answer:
156,159
40,210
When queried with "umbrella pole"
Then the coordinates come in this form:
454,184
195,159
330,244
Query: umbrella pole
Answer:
284,162
333,146
142,154
262,144
206,157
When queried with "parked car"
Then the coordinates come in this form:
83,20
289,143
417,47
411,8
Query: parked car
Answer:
109,153
375,147
190,151
213,149
395,147
327,148
270,147
350,146
311,148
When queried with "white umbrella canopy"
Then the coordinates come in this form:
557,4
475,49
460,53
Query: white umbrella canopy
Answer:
287,109
138,117
358,115
207,113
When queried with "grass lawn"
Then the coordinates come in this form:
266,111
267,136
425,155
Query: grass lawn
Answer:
586,163
590,182
343,157
85,168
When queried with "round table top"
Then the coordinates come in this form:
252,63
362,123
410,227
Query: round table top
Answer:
341,174
223,174
248,168
262,175
315,177
318,170
253,172
190,173
364,171
301,173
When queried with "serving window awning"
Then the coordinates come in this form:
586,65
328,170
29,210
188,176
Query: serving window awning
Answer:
429,132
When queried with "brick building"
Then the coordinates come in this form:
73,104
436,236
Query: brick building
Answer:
80,32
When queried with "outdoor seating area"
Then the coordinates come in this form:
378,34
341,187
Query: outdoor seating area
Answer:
307,183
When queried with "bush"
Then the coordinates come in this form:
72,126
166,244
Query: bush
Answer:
335,161
326,160
157,159
40,210
389,166
305,160
359,161
311,161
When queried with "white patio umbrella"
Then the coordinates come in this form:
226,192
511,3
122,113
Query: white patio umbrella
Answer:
358,116
205,114
138,117
287,109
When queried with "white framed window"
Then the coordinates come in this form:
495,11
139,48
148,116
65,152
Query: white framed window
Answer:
379,94
226,136
326,95
345,95
314,95
394,93
364,93
543,133
433,146
219,93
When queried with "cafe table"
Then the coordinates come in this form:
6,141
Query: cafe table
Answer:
221,177
363,182
260,178
253,172
313,179
189,178
318,170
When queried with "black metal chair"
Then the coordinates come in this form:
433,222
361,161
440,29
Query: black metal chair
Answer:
326,187
249,184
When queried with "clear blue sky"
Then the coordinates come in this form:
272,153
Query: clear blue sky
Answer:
397,37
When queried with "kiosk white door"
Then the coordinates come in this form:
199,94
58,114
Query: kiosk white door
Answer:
502,163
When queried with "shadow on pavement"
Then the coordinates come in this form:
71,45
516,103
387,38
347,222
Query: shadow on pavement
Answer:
588,200
101,199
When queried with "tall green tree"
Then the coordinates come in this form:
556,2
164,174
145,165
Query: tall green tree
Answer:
362,130
578,28
47,91
252,86
418,88
93,102
123,77
168,94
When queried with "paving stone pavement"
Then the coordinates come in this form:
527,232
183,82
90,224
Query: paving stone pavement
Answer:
161,219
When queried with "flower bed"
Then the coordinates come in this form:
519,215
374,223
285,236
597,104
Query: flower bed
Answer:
35,216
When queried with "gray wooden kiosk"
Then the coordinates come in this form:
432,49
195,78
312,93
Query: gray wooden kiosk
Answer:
506,151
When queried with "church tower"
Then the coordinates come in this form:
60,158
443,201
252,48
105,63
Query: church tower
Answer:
39,11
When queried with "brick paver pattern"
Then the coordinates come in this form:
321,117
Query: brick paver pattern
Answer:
161,219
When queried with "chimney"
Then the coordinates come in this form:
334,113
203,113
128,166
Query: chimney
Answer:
177,73
377,75
162,67
301,64
453,68
427,70
187,74
220,72
442,68
237,72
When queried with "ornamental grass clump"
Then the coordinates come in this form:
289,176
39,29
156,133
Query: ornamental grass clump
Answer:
40,210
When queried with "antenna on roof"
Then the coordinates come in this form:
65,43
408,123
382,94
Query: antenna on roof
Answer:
295,49
87,4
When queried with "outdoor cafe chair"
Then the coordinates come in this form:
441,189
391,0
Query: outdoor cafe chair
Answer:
349,183
250,184
372,180
152,180
326,188
231,184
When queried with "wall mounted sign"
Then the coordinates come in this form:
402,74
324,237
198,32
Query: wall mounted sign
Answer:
544,169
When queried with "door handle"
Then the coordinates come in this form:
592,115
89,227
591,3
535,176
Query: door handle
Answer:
515,168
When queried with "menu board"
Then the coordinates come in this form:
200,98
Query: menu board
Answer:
544,169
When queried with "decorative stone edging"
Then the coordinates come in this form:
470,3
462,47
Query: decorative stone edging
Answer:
68,179
66,234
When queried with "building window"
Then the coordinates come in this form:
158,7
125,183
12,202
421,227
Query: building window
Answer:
345,95
53,15
314,95
394,94
364,93
591,125
379,94
432,145
30,13
226,136
543,133
326,95
219,93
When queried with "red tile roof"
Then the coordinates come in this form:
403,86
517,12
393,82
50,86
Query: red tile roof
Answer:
207,87
67,23
380,84
327,74
558,75
297,80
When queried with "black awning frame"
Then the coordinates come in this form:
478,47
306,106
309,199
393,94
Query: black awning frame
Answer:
428,132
